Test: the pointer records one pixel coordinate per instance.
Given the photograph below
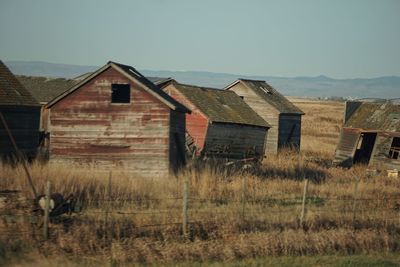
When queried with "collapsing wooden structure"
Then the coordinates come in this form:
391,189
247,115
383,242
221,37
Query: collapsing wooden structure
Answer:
221,125
117,117
370,135
283,116
21,113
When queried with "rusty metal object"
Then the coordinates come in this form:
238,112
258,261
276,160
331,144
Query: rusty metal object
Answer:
58,204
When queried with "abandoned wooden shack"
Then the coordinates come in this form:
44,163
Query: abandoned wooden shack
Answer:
21,113
370,135
44,89
221,125
117,117
283,116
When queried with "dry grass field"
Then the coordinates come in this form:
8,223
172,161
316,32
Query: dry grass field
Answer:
232,216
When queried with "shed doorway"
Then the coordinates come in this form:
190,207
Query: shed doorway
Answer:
364,149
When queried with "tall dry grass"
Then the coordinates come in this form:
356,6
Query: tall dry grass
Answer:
231,215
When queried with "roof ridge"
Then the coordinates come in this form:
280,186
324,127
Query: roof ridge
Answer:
201,87
252,80
221,105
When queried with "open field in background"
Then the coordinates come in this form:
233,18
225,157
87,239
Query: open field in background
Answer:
321,125
235,216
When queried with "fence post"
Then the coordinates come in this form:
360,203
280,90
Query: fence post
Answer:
107,210
47,211
355,201
185,208
244,185
303,206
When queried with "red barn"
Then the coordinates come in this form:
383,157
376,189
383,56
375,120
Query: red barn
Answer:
117,117
221,124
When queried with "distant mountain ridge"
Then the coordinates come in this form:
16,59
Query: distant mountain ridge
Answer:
319,86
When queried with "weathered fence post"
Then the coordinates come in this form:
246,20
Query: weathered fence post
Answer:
303,206
46,211
244,185
355,201
185,208
107,210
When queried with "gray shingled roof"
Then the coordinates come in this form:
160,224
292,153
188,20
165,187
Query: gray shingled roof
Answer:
376,116
221,106
12,92
45,89
272,96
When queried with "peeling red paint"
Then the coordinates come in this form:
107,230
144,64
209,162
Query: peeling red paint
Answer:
86,126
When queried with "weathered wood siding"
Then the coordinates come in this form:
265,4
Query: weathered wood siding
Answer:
269,113
44,119
177,140
196,121
346,147
348,140
23,122
289,131
380,156
234,141
87,128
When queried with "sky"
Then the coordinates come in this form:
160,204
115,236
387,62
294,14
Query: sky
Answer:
337,38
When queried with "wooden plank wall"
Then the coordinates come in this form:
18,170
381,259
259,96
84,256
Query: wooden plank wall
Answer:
269,113
380,156
346,147
177,140
23,123
235,141
289,129
87,128
196,122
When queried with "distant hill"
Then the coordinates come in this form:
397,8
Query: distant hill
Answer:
319,86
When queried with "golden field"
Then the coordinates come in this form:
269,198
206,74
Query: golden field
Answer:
232,215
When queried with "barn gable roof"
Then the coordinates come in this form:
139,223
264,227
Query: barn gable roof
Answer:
219,105
132,74
12,92
376,116
270,95
45,89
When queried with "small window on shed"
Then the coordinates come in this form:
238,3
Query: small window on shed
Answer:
395,148
120,93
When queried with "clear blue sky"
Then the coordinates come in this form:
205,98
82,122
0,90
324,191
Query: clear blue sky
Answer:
337,38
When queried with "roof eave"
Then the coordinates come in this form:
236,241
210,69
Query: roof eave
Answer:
231,85
78,85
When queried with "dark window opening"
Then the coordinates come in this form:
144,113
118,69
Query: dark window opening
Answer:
242,97
120,93
395,148
364,148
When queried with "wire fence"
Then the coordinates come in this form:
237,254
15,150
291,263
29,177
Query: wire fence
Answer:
185,211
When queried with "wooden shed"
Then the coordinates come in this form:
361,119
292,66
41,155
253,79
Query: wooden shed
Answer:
283,116
221,124
21,113
44,89
116,117
370,135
